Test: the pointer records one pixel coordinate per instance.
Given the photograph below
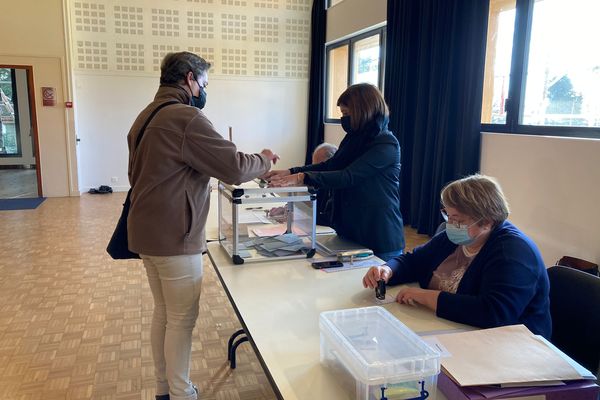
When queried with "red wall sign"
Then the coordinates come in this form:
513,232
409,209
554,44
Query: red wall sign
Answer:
48,96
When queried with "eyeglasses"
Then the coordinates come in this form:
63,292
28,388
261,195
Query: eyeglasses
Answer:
456,224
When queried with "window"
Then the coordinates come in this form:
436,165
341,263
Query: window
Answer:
355,60
365,63
542,70
10,145
337,77
501,23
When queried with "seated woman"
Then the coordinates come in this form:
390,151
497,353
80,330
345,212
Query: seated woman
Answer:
481,271
363,175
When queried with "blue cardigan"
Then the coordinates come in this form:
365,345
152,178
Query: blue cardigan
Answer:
505,284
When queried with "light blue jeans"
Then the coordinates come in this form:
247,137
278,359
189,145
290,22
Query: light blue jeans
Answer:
175,283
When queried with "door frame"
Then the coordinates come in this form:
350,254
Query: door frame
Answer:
33,115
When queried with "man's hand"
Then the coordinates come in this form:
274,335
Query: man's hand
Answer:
270,155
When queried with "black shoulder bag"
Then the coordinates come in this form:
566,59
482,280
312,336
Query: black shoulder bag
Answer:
118,246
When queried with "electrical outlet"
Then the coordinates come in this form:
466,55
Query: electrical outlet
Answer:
114,179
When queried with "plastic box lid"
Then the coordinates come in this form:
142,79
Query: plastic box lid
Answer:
376,347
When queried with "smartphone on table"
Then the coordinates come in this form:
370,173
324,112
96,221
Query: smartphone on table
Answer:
326,264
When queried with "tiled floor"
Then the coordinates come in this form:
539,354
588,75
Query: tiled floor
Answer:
75,324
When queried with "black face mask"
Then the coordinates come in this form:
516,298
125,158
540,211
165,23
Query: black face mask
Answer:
199,101
345,120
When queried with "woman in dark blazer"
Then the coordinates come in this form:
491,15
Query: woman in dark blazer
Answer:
363,175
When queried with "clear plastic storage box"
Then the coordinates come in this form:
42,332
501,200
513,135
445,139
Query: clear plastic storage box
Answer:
375,356
258,223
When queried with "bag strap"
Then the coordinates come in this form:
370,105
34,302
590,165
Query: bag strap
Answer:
156,110
141,134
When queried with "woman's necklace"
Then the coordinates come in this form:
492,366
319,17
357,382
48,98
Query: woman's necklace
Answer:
468,253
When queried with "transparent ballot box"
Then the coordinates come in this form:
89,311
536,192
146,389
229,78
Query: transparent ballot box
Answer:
258,223
375,356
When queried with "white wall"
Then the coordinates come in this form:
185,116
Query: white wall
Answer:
52,125
354,16
27,156
553,187
258,83
334,133
263,114
44,49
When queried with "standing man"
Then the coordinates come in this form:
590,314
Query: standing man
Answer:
169,171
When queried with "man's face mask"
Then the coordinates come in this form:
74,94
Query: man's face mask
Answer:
199,101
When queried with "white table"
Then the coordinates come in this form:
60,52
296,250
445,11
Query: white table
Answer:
278,304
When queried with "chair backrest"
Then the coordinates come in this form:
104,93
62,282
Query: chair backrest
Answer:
575,310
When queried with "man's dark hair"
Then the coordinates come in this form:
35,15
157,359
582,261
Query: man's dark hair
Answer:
175,67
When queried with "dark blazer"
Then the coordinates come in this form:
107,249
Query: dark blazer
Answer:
505,284
324,206
363,176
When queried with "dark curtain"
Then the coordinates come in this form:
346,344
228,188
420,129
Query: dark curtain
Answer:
435,56
316,89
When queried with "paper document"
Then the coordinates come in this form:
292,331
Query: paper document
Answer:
252,217
579,368
347,266
509,354
280,246
274,230
388,299
324,230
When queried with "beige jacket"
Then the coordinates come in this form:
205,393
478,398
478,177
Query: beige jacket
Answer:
170,171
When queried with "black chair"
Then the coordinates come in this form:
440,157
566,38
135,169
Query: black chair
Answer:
575,310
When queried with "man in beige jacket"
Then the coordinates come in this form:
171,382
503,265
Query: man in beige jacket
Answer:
169,171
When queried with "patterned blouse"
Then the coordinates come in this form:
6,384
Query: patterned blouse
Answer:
448,274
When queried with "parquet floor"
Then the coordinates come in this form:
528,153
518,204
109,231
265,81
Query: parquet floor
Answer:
75,324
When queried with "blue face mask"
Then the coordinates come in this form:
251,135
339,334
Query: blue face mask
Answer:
460,235
345,121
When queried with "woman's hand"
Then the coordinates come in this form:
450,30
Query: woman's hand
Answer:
413,296
375,274
284,181
275,172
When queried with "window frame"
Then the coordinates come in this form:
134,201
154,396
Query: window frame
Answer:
328,4
517,82
15,99
350,41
